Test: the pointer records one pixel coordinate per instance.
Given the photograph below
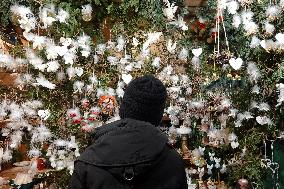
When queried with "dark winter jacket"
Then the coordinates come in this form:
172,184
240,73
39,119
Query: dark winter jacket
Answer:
129,154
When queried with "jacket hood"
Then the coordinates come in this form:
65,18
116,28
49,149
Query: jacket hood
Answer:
125,142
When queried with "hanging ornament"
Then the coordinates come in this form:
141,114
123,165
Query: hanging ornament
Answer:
87,12
107,104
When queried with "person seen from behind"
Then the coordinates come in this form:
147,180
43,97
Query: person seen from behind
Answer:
132,153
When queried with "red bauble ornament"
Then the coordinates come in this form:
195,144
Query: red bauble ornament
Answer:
40,164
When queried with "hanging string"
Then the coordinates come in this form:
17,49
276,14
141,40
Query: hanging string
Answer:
219,18
225,33
265,154
272,144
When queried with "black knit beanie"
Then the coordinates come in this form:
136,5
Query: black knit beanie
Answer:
144,100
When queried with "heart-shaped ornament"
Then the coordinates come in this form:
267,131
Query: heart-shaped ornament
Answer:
126,78
265,162
236,63
79,71
273,166
197,52
280,38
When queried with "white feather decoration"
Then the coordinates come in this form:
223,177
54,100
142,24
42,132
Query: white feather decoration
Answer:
46,15
156,62
69,58
250,27
52,66
263,106
113,60
87,9
44,82
78,86
62,16
183,130
273,12
280,38
269,28
232,7
253,72
183,54
44,114
96,59
196,63
120,44
171,47
120,92
28,110
180,23
38,42
16,111
51,52
79,71
135,42
110,91
27,20
247,16
7,155
93,79
263,120
61,76
71,72
255,42
152,38
170,10
16,138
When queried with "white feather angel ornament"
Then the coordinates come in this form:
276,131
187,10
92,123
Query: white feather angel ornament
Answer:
78,86
180,23
120,43
183,54
171,47
170,10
